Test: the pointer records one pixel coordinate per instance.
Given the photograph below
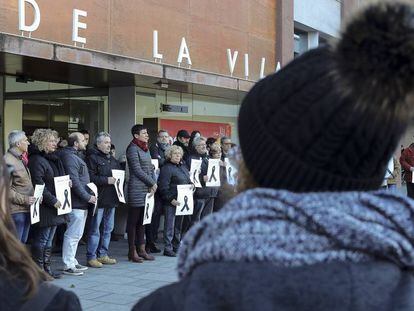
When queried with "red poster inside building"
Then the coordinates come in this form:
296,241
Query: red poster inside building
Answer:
207,129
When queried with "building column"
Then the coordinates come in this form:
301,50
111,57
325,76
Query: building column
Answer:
313,40
121,116
284,31
121,119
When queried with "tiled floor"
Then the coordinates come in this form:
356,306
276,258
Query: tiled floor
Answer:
120,286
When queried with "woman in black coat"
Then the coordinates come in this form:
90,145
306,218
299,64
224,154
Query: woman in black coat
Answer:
172,174
44,165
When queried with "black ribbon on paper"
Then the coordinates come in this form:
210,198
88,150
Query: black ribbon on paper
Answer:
186,207
118,182
195,177
66,203
35,209
146,211
213,176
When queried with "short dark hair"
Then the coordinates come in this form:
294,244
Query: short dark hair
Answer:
210,141
73,138
162,131
84,131
137,128
223,139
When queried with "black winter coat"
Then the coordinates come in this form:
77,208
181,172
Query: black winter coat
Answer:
237,286
11,295
172,175
43,168
77,169
158,152
100,168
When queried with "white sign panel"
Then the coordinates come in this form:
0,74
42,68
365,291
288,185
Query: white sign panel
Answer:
35,207
94,189
119,175
185,200
156,167
149,208
63,194
213,173
195,172
231,173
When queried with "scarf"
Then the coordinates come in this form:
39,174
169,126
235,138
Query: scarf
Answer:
141,144
298,229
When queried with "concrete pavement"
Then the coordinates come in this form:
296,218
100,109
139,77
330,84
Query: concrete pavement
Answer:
117,287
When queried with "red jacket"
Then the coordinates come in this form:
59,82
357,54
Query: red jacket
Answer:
407,161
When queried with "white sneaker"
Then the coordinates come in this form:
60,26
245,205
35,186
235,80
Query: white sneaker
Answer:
72,272
81,268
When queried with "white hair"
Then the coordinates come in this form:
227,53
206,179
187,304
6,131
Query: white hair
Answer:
101,136
15,136
198,140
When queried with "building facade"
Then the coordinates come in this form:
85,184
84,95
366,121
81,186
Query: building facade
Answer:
106,65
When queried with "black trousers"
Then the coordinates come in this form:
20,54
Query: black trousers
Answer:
151,230
410,190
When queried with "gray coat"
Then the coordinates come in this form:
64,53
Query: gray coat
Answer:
76,168
141,175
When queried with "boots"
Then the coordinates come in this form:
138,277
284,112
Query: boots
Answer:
46,264
37,255
142,253
133,256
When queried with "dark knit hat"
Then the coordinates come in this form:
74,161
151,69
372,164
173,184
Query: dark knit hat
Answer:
332,118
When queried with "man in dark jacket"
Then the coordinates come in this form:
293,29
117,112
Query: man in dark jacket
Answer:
101,163
151,231
81,198
183,138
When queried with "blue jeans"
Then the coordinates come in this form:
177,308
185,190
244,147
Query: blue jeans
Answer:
22,224
98,246
43,237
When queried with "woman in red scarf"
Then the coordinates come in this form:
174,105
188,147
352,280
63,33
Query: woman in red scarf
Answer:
141,181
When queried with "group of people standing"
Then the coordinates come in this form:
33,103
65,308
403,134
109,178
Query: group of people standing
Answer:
39,161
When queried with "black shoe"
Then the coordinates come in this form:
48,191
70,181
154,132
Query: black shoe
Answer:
175,249
46,264
169,253
152,248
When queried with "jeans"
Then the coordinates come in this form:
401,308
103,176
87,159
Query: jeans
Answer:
73,234
97,246
43,237
22,224
190,220
208,208
172,228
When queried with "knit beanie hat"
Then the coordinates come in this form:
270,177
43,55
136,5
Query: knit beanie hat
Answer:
332,118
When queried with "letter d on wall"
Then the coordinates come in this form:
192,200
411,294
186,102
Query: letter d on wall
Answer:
22,16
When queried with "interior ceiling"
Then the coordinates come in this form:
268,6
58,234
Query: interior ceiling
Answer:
60,72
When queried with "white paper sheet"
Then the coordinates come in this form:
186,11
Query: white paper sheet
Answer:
149,208
231,173
195,172
185,198
119,175
35,207
94,189
156,166
213,173
63,194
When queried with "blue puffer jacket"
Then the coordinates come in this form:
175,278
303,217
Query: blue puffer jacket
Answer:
141,175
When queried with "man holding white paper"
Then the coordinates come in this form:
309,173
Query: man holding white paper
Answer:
81,199
101,163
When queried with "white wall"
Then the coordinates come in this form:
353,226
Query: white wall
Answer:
321,15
